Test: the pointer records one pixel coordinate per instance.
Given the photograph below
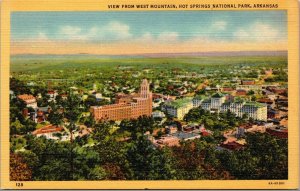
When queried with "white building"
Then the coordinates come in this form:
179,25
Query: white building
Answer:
255,110
217,100
178,108
52,95
158,114
197,100
29,100
48,131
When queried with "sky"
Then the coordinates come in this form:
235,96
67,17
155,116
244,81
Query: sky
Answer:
115,33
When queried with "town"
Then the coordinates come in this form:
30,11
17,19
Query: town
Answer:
224,110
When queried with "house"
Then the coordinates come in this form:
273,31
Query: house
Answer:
29,100
247,82
227,89
184,136
64,96
234,146
241,92
171,129
48,131
279,131
265,100
52,95
12,94
158,114
40,117
273,114
169,141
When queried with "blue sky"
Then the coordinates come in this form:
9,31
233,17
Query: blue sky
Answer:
187,24
152,26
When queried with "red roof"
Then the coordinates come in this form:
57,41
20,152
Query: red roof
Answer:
265,100
205,133
248,82
47,129
282,133
26,97
241,92
227,89
232,146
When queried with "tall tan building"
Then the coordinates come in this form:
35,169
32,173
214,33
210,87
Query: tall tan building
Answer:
126,106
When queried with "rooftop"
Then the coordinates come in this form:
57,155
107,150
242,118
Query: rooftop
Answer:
183,135
200,97
238,100
217,95
255,104
180,102
47,129
25,97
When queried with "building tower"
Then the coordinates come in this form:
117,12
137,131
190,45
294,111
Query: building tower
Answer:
147,96
145,89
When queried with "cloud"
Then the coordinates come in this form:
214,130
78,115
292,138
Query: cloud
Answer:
241,34
163,37
42,36
219,25
168,36
72,33
258,31
264,31
112,31
146,37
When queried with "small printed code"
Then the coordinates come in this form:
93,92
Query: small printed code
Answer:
276,183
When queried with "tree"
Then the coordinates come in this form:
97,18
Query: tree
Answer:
55,117
111,152
190,157
18,169
90,101
97,173
149,163
16,127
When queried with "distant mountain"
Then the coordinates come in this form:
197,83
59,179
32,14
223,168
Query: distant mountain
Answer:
229,53
152,55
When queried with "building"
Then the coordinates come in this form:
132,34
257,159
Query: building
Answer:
197,100
247,82
158,114
217,100
52,95
241,92
227,89
234,107
233,146
29,100
217,103
184,136
273,114
280,132
126,106
48,131
255,110
169,141
171,129
249,87
178,108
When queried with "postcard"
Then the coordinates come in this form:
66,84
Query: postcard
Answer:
149,94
